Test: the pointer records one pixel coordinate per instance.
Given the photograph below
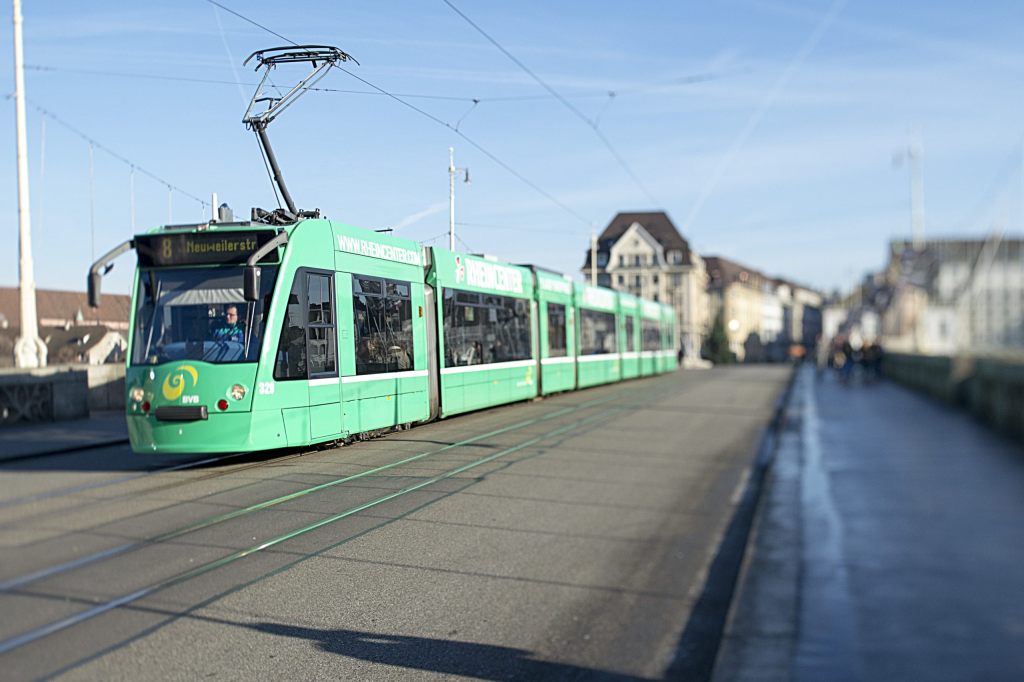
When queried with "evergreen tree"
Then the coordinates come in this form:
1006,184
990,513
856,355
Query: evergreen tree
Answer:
716,344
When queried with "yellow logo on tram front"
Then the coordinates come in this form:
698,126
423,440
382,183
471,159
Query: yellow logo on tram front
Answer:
174,385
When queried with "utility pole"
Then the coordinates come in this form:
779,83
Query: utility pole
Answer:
452,170
29,349
451,198
914,153
593,258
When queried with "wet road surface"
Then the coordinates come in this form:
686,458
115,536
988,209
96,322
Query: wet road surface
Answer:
890,545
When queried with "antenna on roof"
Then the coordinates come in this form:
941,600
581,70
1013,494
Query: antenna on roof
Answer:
322,58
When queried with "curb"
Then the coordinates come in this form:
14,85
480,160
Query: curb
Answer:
64,450
698,646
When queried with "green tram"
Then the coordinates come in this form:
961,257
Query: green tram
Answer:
246,336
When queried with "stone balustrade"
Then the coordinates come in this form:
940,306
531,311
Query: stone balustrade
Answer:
991,388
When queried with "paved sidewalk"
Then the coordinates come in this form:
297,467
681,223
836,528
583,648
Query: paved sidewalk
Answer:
888,546
25,440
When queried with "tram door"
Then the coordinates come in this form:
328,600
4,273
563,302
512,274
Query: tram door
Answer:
322,334
306,368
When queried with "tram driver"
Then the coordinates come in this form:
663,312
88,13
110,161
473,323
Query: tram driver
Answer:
229,328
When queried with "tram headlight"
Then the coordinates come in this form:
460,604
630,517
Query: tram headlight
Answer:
237,392
137,395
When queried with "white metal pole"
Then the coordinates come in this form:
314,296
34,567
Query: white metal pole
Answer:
916,193
92,205
131,197
29,350
213,207
451,198
593,259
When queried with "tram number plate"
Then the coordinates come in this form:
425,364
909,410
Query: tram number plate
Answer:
265,388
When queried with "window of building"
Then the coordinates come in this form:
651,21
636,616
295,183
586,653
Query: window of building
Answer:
638,280
630,341
382,321
638,260
654,278
308,347
622,260
556,331
604,279
622,280
602,259
597,332
483,328
677,280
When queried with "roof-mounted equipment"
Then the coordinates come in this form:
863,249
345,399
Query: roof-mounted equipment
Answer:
321,58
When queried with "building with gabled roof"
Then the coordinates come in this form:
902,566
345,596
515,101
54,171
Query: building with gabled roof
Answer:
643,253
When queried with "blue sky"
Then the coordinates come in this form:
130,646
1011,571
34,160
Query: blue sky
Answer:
781,156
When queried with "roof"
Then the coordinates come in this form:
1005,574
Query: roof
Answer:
63,306
723,272
657,224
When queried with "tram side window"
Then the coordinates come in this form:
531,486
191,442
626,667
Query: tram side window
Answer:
484,328
323,355
556,330
308,345
291,349
651,331
630,341
382,317
597,332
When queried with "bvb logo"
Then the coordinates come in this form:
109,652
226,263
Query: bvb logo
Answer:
174,385
460,270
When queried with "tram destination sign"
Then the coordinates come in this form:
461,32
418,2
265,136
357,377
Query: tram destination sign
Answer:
202,248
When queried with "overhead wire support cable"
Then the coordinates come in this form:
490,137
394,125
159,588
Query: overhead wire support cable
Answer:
522,178
565,102
98,145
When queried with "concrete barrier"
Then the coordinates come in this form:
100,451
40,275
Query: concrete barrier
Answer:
106,387
991,388
59,392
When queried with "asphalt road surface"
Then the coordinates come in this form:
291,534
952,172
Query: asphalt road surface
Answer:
559,539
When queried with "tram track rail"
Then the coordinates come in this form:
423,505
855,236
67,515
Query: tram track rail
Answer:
52,627
22,580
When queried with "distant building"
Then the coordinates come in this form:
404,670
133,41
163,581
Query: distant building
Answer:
644,254
72,331
738,294
954,295
763,316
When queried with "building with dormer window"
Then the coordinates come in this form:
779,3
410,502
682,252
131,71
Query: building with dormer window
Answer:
644,254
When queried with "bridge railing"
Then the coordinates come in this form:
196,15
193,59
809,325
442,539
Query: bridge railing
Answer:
991,388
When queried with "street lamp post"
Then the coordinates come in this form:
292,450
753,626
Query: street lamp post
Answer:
29,350
452,170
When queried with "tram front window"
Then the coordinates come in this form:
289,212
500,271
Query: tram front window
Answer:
198,314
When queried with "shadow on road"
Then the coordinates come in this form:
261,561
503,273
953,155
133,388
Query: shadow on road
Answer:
451,657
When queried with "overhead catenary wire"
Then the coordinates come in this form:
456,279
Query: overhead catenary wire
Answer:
476,145
499,99
565,102
102,147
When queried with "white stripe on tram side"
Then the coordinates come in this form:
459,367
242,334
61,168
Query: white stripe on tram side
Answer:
323,382
557,361
493,365
384,376
630,355
597,358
